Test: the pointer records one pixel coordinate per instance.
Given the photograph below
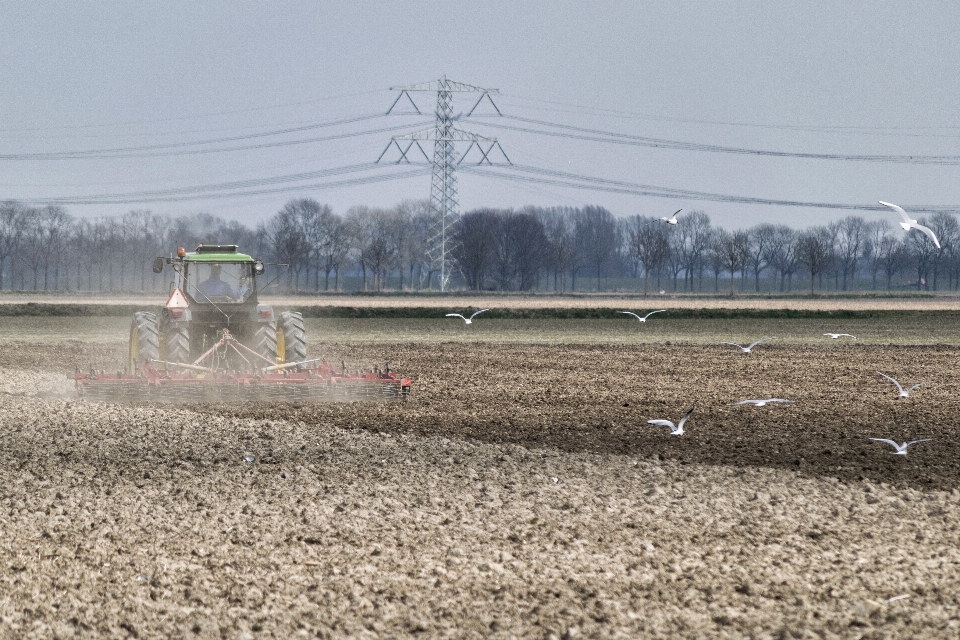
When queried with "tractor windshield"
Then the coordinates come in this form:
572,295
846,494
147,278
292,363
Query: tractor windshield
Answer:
219,281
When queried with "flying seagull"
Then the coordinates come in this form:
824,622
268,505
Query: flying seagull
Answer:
909,223
672,220
840,335
748,347
903,394
467,320
675,430
644,318
760,403
901,449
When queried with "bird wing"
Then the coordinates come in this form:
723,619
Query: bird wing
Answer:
455,315
733,343
916,441
476,313
685,416
745,402
893,381
758,342
833,335
653,312
915,386
848,335
663,423
929,232
778,400
630,313
903,213
890,442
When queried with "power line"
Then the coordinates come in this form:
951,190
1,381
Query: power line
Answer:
230,189
160,150
613,137
592,183
833,129
193,117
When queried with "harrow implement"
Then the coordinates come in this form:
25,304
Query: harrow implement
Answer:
205,380
296,383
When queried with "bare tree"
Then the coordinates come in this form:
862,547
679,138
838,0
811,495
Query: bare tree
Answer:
893,256
877,231
852,235
733,249
420,220
782,254
529,233
944,226
922,254
561,247
815,251
761,237
476,249
595,230
13,219
371,231
648,245
697,236
288,243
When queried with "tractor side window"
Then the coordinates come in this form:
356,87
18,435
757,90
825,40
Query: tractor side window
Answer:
220,282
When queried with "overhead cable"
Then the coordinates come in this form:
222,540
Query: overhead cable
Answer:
200,195
613,137
169,148
564,179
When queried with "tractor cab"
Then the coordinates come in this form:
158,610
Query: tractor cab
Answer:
215,274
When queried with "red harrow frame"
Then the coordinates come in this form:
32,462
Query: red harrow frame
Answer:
306,381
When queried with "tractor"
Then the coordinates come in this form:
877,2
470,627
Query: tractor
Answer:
215,289
215,341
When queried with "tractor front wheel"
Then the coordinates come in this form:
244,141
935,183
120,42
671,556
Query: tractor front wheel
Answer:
144,340
265,342
291,337
176,342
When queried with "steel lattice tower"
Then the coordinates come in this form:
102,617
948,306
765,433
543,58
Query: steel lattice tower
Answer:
443,187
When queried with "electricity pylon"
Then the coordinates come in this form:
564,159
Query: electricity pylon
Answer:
443,186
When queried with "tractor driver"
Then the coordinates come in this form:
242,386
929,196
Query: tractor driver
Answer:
214,286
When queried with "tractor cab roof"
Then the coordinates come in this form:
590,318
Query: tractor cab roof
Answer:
217,253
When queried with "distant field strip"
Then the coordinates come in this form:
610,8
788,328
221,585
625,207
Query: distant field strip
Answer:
906,329
16,303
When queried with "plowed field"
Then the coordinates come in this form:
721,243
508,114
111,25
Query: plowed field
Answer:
519,493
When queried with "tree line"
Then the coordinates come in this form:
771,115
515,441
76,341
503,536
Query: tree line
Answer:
547,249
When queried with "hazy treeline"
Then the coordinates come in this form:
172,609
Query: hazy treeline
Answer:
559,249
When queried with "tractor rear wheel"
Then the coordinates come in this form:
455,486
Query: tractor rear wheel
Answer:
176,341
144,340
292,337
265,342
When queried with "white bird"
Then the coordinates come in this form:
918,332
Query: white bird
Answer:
901,449
748,348
672,219
903,394
467,320
675,430
644,318
760,403
840,335
909,223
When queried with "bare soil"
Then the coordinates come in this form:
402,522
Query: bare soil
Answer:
519,493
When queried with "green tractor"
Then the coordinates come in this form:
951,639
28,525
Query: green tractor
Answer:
213,306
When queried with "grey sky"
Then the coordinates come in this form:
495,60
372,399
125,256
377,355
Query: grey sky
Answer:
871,78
